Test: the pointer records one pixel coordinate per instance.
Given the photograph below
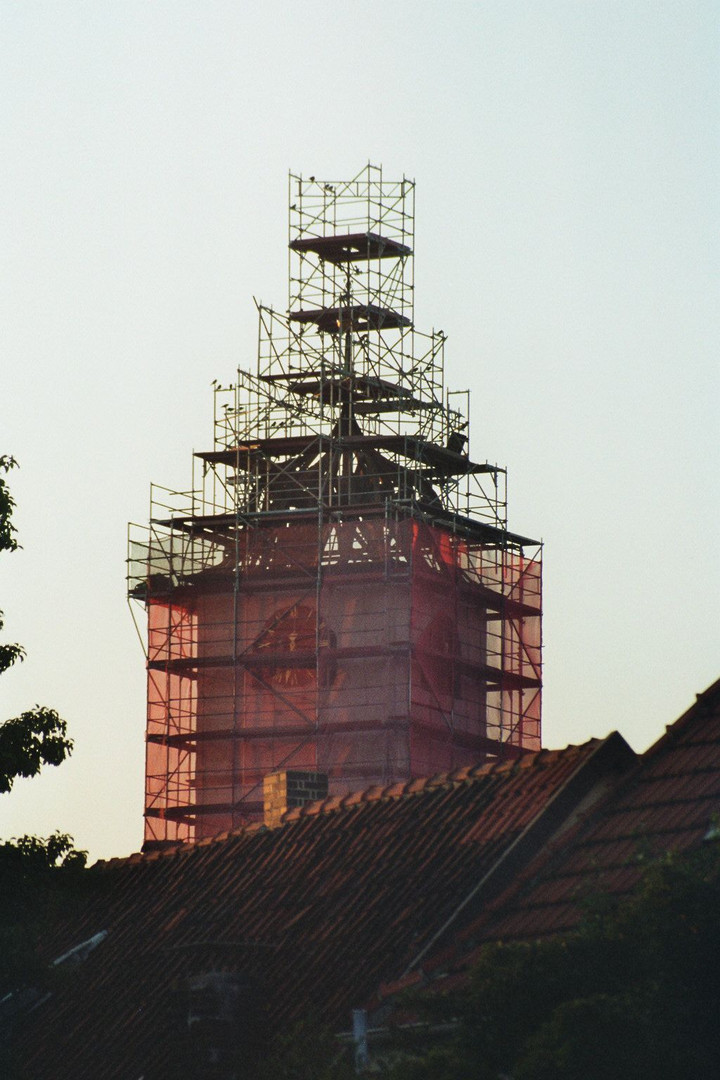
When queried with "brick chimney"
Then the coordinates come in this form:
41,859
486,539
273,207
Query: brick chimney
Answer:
284,790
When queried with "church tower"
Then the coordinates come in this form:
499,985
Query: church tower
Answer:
339,592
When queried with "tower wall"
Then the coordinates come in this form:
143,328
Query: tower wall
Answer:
396,649
338,593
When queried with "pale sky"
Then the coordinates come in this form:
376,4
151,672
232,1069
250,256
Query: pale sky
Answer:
566,156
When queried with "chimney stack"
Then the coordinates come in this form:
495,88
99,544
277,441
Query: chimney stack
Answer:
282,791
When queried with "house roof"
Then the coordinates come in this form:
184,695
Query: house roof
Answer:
346,894
667,802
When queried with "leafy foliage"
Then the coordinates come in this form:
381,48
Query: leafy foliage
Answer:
634,992
39,878
32,855
7,505
35,738
9,654
42,880
307,1051
38,736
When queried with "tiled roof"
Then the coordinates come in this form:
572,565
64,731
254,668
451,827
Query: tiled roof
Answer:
315,914
668,802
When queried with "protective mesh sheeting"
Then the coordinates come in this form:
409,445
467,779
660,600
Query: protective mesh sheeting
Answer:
369,650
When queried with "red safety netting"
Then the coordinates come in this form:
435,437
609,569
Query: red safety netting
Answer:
370,650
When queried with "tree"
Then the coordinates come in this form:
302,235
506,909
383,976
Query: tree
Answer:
38,736
635,991
38,877
29,741
42,879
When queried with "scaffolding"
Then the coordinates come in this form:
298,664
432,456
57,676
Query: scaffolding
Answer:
338,590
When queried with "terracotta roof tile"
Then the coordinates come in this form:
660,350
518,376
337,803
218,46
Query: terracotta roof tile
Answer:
459,775
352,799
343,895
666,802
396,790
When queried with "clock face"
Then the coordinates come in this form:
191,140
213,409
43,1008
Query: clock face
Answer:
294,630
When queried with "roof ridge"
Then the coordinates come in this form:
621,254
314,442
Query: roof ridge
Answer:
672,731
465,774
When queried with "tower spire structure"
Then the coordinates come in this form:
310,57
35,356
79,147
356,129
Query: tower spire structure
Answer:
339,591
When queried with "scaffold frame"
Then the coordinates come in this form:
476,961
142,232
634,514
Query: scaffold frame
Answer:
338,590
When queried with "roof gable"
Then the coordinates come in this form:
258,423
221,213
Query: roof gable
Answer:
668,802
